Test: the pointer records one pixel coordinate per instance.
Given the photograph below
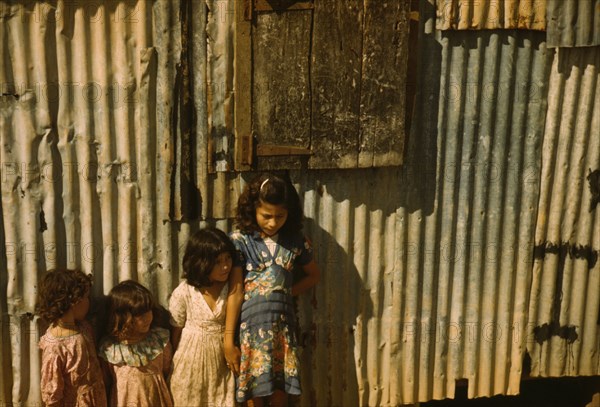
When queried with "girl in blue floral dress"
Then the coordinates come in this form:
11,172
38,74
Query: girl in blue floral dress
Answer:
270,243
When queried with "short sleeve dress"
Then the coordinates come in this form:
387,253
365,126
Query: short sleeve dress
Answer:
200,374
267,338
139,370
71,374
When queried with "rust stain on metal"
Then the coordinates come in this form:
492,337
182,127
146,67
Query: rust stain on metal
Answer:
491,14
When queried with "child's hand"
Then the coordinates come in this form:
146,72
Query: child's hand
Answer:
233,356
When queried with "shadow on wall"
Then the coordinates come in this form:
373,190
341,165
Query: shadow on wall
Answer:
334,322
418,177
5,353
556,392
328,318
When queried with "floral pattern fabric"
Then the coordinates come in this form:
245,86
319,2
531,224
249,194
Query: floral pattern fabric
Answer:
267,337
71,374
200,374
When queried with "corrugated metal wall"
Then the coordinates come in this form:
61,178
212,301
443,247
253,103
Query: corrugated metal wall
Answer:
474,247
87,152
573,23
565,300
427,269
491,14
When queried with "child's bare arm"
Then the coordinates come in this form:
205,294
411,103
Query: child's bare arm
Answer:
175,336
313,275
168,358
106,375
234,305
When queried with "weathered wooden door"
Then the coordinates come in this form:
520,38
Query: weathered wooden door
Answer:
320,83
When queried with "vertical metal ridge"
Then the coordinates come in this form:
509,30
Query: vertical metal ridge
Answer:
83,138
418,273
146,63
471,232
106,247
573,23
23,197
491,14
410,322
65,133
70,135
481,221
166,14
446,153
395,321
125,149
363,319
200,89
6,378
487,176
564,296
219,54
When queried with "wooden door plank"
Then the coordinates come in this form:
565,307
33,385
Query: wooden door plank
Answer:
383,84
242,80
280,82
335,83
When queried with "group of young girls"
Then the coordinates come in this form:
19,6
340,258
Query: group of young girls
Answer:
232,337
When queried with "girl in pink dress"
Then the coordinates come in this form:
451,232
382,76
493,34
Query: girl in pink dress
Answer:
137,355
71,374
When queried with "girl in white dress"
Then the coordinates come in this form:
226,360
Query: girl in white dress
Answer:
200,374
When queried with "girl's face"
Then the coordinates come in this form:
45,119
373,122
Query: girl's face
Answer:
221,269
141,324
81,307
270,218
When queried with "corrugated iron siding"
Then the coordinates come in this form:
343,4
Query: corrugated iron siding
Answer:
426,269
491,14
220,29
432,263
573,23
87,152
466,234
565,300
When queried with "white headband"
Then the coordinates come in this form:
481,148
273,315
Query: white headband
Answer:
263,183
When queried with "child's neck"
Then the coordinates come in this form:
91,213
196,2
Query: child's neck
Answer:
212,292
65,326
214,289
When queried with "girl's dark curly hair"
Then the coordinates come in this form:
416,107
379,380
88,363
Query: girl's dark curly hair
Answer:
274,190
127,300
201,254
58,291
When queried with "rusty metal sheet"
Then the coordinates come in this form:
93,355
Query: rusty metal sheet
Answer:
86,157
491,14
220,76
573,23
565,292
433,262
427,268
